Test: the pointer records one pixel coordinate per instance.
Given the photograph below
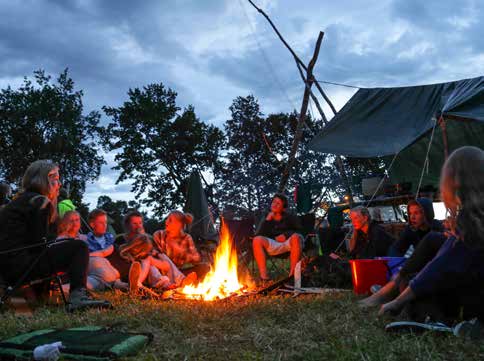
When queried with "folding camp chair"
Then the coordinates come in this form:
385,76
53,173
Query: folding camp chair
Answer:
311,244
24,281
242,232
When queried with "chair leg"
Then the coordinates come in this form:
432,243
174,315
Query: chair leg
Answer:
59,284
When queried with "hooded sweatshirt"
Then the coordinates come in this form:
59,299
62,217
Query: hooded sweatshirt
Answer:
411,236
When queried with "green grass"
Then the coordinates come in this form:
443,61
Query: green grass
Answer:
255,328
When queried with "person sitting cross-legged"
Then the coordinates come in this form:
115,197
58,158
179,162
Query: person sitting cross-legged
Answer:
277,234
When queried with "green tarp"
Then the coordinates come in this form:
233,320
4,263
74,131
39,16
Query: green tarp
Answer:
382,122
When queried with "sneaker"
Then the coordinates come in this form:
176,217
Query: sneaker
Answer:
79,299
471,330
190,279
134,273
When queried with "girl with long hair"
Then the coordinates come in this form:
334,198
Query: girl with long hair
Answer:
453,279
25,225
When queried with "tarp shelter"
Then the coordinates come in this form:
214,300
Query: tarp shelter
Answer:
202,227
382,122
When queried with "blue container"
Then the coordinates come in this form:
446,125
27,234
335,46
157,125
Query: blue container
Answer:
394,264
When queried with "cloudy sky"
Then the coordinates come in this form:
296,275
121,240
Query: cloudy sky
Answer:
211,51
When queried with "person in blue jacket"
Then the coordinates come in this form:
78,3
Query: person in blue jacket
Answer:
453,281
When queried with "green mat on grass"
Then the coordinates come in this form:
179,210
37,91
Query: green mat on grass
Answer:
84,343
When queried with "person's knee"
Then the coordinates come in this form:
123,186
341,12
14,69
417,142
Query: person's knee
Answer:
296,241
259,242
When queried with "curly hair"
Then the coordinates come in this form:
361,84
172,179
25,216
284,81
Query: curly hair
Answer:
462,189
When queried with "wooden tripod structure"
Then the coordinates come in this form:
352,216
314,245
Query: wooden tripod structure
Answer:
308,80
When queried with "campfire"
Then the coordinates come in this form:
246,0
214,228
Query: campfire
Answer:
223,280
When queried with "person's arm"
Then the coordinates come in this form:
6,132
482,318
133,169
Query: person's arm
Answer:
103,252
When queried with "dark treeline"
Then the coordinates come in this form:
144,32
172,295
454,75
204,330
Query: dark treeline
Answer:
157,144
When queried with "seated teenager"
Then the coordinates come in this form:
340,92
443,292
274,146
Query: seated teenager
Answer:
159,267
25,221
133,225
420,222
175,244
369,239
277,234
102,274
69,226
454,278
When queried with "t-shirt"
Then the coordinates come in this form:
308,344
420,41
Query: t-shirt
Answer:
288,225
99,243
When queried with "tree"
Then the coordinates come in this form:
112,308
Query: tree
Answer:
256,152
158,147
44,120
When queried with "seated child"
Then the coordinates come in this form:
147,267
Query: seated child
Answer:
69,226
101,273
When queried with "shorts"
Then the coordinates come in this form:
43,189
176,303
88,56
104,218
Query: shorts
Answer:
275,248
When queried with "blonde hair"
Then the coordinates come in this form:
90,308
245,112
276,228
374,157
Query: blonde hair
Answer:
185,218
36,179
462,189
64,223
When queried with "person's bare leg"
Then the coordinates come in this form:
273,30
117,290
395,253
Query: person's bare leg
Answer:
162,265
296,251
145,269
258,246
385,294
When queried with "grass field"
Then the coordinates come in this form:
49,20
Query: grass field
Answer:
255,328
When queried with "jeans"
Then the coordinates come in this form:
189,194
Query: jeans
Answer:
101,274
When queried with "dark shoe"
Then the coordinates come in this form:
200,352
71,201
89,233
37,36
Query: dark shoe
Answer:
471,330
134,273
79,300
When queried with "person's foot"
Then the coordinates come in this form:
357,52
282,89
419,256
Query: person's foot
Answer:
79,299
190,279
120,285
373,301
264,282
134,273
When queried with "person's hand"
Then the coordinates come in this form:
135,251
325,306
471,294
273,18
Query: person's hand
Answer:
270,216
334,256
281,238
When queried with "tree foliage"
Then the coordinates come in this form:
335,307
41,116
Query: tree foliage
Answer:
158,146
256,153
43,119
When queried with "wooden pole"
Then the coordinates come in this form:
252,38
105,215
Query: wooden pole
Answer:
443,128
302,114
308,81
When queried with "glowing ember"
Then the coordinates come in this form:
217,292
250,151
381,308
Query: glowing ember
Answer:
222,280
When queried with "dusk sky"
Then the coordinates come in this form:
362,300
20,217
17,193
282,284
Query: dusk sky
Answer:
211,51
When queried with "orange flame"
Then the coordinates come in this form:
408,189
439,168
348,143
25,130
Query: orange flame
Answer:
222,280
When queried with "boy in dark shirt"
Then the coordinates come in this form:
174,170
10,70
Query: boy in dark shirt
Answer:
420,222
277,234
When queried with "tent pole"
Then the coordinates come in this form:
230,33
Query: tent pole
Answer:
443,128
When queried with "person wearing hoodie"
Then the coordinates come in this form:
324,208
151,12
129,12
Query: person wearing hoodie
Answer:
420,222
65,204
